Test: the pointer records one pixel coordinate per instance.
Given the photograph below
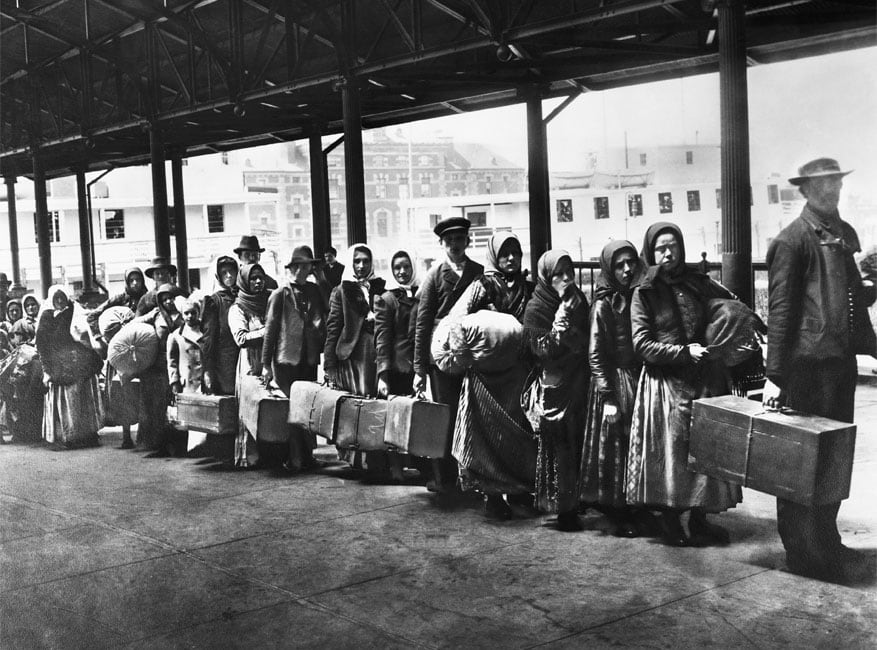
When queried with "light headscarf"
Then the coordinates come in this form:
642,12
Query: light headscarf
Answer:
30,298
413,283
9,303
494,246
349,275
79,328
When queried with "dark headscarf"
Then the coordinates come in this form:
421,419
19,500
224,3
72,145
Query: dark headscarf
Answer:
652,234
517,291
221,261
170,318
135,295
683,273
543,305
253,304
494,246
607,285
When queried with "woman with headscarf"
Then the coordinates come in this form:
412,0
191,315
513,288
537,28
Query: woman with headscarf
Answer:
349,353
246,321
14,313
135,288
153,429
668,321
72,410
493,441
21,385
556,328
615,370
220,349
31,306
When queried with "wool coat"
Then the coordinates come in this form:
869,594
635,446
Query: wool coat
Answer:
185,359
348,311
294,322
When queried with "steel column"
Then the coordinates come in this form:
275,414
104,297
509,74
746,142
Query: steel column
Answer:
85,243
182,239
353,166
736,187
537,180
13,234
42,211
159,195
320,212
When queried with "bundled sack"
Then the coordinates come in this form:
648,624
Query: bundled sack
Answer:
487,341
112,320
133,350
732,331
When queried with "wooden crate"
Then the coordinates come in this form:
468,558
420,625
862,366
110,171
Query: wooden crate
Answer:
214,414
802,458
418,427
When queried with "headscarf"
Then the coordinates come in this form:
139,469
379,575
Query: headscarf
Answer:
79,327
28,298
23,328
543,305
135,295
253,304
651,236
607,285
9,303
683,273
413,283
218,287
517,291
349,275
494,246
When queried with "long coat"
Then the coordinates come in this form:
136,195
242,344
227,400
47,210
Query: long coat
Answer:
440,290
291,327
185,359
220,349
394,340
348,310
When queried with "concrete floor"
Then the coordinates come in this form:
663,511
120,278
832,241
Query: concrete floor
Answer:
104,548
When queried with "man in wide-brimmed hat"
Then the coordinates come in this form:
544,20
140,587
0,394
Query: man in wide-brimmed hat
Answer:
160,271
295,332
818,322
249,252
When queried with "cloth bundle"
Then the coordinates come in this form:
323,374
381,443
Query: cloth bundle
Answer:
486,341
732,331
112,320
133,349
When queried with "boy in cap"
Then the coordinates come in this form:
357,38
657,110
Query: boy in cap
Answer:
161,272
444,284
818,322
249,252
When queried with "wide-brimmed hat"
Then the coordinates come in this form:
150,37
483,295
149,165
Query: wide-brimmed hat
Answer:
817,168
453,224
249,243
302,255
159,263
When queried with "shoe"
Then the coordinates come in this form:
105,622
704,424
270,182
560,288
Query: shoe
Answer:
569,522
127,444
672,532
159,453
626,528
495,507
698,526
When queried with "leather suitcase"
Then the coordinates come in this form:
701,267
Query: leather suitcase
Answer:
418,427
314,407
216,414
802,458
360,424
264,412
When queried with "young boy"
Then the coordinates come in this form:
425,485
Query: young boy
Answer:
185,352
444,284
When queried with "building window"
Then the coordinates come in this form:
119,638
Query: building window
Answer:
215,218
54,227
694,200
601,207
665,202
381,223
773,194
296,207
424,161
425,184
718,198
478,218
635,205
689,157
334,187
564,210
379,161
433,220
114,224
642,160
224,157
488,180
381,181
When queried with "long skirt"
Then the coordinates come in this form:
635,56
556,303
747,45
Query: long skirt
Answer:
152,423
657,469
72,414
493,441
561,426
358,375
604,456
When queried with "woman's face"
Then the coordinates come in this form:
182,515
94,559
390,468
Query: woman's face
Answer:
623,266
509,257
59,300
667,251
135,282
31,307
13,312
228,275
563,276
362,264
402,269
167,303
257,281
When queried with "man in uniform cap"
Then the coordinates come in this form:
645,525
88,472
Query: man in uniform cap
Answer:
160,271
817,323
444,284
249,252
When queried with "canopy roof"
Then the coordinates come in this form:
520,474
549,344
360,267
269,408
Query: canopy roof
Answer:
84,80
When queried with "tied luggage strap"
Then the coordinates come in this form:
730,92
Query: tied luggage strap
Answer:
749,433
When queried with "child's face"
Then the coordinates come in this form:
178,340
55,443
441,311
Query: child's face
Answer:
167,303
190,317
31,308
16,339
14,312
455,244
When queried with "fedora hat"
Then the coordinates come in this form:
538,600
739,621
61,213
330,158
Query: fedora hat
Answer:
249,243
302,255
446,226
816,169
159,263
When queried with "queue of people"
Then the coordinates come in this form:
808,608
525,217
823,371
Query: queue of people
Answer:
591,410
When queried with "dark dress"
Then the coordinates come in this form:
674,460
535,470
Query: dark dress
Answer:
221,351
394,338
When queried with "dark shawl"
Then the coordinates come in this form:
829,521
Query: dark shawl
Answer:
516,289
607,285
252,304
539,315
134,296
685,274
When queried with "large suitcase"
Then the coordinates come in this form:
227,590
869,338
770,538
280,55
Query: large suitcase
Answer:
417,427
263,411
215,414
360,423
314,407
802,458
